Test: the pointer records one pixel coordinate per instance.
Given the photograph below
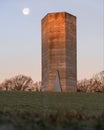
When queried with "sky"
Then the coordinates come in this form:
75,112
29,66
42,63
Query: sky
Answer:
20,36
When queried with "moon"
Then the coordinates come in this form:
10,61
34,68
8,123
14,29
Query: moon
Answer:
26,11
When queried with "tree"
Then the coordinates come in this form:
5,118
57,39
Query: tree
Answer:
1,88
37,86
18,83
94,84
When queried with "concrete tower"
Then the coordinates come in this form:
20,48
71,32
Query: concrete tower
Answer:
59,53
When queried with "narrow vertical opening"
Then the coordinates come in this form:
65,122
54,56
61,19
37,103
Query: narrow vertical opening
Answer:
57,83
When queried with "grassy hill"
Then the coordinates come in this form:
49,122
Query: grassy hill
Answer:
59,111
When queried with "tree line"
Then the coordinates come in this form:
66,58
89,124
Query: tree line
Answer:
94,84
25,83
20,83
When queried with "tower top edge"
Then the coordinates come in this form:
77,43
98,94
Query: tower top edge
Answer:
53,13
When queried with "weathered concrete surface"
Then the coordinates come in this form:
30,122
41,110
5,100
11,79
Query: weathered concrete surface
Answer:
59,51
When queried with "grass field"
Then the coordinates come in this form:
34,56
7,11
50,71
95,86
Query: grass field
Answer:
52,102
67,109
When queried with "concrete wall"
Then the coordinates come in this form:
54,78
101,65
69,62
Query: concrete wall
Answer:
59,51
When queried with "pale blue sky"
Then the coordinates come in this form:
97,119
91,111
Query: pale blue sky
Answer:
20,35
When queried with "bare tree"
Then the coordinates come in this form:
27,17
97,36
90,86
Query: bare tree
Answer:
37,86
95,84
19,82
1,88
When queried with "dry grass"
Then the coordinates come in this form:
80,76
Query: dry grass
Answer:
51,111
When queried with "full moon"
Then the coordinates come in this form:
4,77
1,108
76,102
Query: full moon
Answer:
26,11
